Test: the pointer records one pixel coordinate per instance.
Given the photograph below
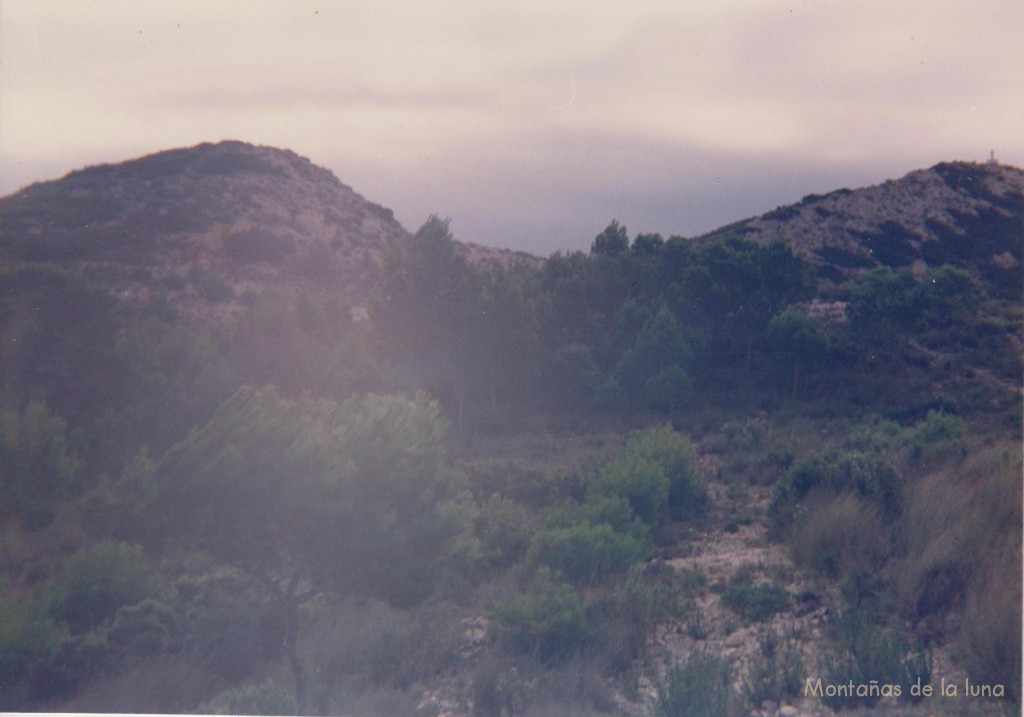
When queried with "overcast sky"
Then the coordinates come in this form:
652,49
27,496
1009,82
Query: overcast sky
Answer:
530,124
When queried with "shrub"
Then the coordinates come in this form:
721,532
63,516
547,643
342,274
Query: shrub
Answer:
937,434
777,671
656,474
842,538
503,528
76,660
673,452
865,652
94,583
212,287
230,623
586,553
700,686
39,465
27,639
547,620
992,628
498,689
637,479
264,698
146,628
755,602
866,476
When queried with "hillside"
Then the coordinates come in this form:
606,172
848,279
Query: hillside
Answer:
199,229
954,213
262,451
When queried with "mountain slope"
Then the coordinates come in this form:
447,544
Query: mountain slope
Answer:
956,213
200,227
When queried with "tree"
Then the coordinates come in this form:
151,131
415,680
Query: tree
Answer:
795,336
310,496
429,305
39,467
613,241
659,345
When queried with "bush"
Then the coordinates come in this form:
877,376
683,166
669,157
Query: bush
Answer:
992,628
637,479
498,689
76,660
866,652
27,639
587,554
94,583
755,602
656,473
231,624
868,477
700,686
841,538
146,628
547,620
936,435
504,528
777,671
264,698
39,465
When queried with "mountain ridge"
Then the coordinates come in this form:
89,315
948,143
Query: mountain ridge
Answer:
204,228
954,212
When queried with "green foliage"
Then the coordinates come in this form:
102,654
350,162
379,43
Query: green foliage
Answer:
504,528
586,553
305,343
115,507
938,433
777,672
145,628
94,583
797,341
755,603
866,653
59,342
668,388
700,686
498,690
178,376
656,474
659,346
279,484
230,625
613,241
264,698
646,599
211,286
883,301
27,639
869,477
40,468
547,620
75,660
639,480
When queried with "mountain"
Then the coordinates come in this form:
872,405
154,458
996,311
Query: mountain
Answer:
201,227
959,213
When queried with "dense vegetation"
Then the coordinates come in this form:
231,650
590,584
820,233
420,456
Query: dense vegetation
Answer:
299,490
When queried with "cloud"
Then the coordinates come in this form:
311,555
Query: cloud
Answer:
424,106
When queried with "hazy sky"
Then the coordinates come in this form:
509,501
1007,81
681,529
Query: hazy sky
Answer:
530,124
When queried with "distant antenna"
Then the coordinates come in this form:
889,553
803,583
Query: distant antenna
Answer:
992,157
